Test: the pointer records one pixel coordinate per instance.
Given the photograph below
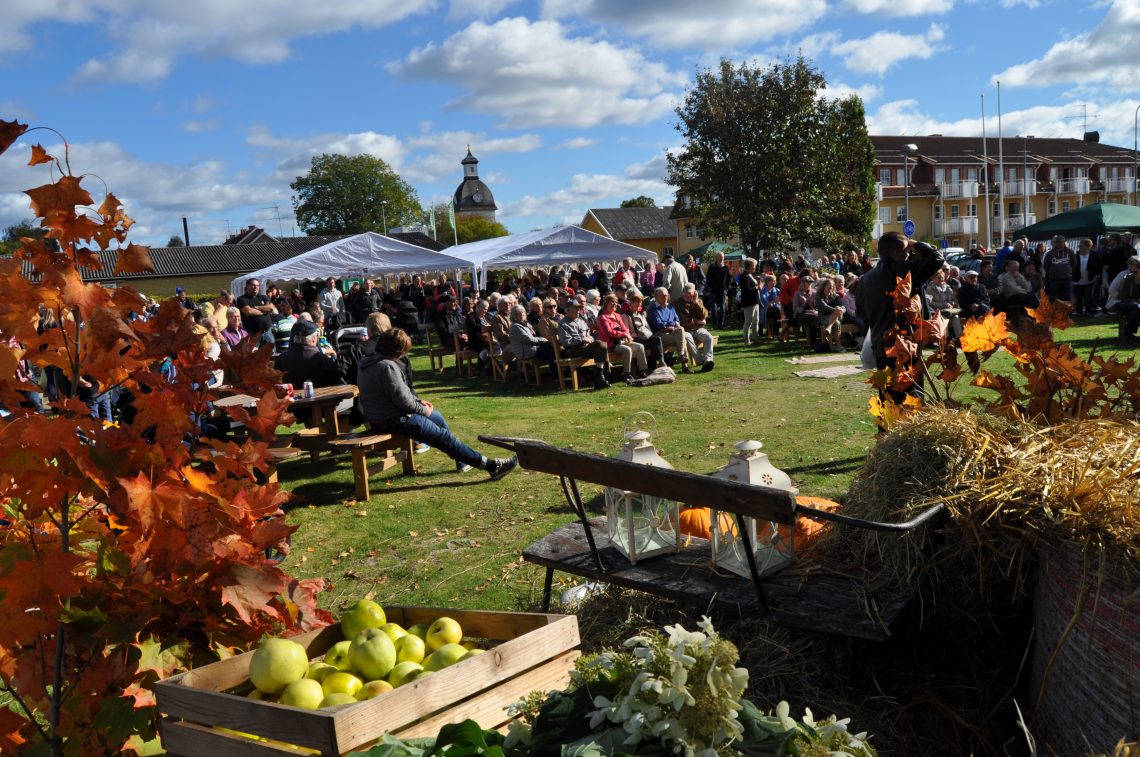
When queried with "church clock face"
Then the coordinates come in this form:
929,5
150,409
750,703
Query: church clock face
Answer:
477,197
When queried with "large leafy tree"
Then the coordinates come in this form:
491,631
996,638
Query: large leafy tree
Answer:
766,158
474,228
350,195
641,201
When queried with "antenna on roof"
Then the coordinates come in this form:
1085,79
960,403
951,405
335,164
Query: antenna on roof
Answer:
1084,117
275,209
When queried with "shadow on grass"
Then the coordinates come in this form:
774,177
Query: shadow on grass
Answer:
829,467
321,493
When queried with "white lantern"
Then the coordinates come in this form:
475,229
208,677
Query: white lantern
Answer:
641,525
772,544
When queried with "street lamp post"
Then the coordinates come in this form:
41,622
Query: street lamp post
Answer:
908,150
384,215
1134,161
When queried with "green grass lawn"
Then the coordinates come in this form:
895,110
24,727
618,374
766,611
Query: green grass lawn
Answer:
452,540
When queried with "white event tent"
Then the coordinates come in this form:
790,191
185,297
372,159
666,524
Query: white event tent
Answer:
365,255
545,247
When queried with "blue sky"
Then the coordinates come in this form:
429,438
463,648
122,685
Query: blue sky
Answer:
209,108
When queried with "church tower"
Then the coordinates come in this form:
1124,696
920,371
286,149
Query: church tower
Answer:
472,197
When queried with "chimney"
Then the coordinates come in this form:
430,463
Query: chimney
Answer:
185,231
1092,137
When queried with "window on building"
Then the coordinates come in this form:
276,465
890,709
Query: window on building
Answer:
1051,208
955,242
955,175
1065,206
937,212
973,241
688,231
971,174
997,210
1012,174
884,176
954,210
972,210
1080,202
900,176
939,175
885,214
900,216
1014,209
667,250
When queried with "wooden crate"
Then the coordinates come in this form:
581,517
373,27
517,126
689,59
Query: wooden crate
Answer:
533,651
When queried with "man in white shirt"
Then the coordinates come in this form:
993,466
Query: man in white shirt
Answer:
332,304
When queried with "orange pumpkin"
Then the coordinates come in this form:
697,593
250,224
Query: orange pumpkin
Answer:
808,530
697,521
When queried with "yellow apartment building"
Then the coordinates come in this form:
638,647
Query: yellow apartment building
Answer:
962,191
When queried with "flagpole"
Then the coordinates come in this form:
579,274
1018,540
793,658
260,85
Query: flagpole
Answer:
989,212
1001,171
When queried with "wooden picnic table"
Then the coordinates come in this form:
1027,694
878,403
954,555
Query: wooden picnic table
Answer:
322,407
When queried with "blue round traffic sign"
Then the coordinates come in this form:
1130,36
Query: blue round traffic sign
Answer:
908,228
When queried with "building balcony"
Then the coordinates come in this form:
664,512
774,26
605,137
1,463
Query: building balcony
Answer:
1073,187
963,189
1126,185
1021,188
1020,221
949,226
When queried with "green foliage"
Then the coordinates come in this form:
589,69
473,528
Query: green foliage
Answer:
768,159
641,201
175,241
10,242
474,228
347,195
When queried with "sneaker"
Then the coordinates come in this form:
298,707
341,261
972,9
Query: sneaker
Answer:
463,467
707,366
601,383
501,466
422,448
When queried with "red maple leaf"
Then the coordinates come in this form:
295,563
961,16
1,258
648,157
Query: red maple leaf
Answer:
10,131
64,195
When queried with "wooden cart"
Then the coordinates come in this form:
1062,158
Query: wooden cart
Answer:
532,651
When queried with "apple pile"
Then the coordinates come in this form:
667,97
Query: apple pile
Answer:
375,657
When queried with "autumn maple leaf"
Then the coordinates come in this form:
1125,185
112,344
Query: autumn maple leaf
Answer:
64,195
1053,313
985,335
10,131
39,155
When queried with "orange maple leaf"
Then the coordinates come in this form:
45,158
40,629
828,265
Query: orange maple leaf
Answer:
135,258
985,335
10,131
253,588
64,195
39,155
1053,313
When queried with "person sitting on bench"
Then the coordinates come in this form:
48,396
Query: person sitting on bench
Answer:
391,407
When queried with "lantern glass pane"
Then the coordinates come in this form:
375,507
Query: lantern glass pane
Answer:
772,545
653,519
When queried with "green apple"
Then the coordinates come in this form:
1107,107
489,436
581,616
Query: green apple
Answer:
422,674
276,664
337,656
318,670
448,654
472,652
394,631
404,672
443,631
341,682
305,693
372,654
336,700
373,689
410,649
419,629
363,614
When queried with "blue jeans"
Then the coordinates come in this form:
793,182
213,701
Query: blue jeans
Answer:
715,304
100,406
1060,290
433,431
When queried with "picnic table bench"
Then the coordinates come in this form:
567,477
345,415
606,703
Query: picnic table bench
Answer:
813,600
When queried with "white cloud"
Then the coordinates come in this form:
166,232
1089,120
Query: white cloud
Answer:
882,50
578,143
532,74
156,195
195,126
586,191
839,90
477,8
684,24
148,37
901,7
903,117
422,158
1099,56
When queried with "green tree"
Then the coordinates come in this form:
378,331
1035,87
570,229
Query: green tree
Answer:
474,228
768,159
175,241
640,201
444,232
10,242
350,195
